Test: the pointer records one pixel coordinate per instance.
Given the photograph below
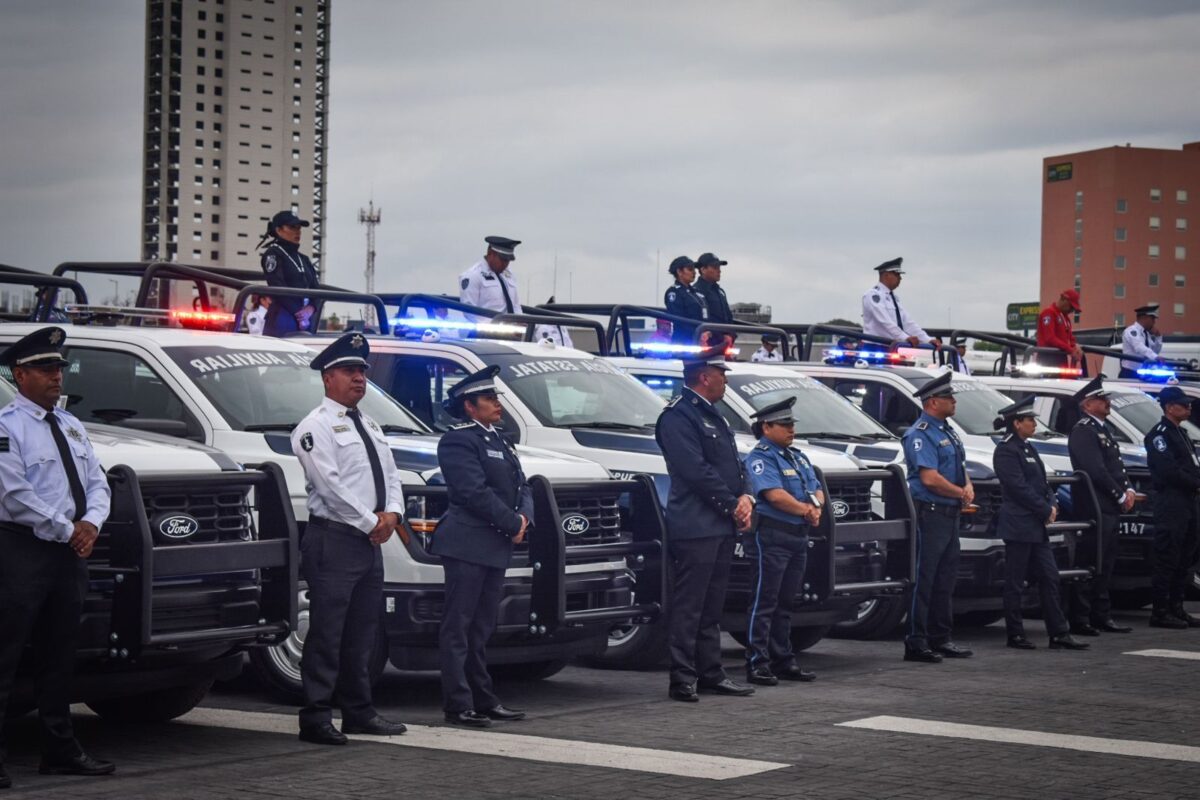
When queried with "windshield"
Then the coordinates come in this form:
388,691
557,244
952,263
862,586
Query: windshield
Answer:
7,391
1144,412
578,392
818,409
273,390
976,406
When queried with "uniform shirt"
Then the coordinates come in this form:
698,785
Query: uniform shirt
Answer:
714,298
1026,499
1054,330
337,471
285,265
761,354
255,320
33,481
1140,343
884,316
1093,447
1172,459
773,467
481,286
684,301
932,444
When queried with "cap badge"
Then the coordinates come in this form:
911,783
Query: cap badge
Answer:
55,337
357,342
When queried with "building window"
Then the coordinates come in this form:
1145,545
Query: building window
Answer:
200,69
196,254
1181,195
1078,258
199,124
1119,320
202,15
198,180
197,218
295,191
199,162
1180,281
1152,279
200,107
295,155
195,238
216,237
201,34
295,172
1180,224
1155,195
295,119
1119,291
297,47
295,136
1152,251
295,101
1180,252
1078,222
1179,309
1078,286
199,144
200,52
1155,223
1119,262
219,54
1079,201
199,88
1121,235
1122,205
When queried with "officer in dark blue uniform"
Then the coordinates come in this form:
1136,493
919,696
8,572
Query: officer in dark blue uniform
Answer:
708,286
1027,505
709,501
940,488
790,502
284,265
683,300
1093,447
491,508
1175,471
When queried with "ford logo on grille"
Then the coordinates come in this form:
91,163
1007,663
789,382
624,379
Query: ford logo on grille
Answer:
575,524
840,508
177,526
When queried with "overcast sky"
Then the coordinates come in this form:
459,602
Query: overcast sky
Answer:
803,142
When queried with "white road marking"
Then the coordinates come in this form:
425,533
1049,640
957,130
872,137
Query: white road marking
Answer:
1187,655
984,733
511,745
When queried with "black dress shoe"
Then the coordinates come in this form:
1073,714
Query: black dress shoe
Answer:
684,693
82,764
1084,629
1192,622
324,733
470,719
952,650
922,654
501,713
1164,619
1019,642
761,676
375,726
1110,626
1065,641
729,688
5,781
794,673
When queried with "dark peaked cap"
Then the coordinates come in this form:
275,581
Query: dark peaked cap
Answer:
348,350
776,412
481,382
1021,408
891,266
938,387
1094,388
502,245
708,357
42,348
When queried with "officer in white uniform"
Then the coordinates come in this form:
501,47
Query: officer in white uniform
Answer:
53,499
882,313
490,284
769,352
354,506
1141,340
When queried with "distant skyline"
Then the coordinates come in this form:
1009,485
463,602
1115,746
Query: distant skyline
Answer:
803,142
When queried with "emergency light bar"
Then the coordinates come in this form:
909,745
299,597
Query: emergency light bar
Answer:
202,317
660,382
840,355
495,328
1035,370
666,350
1157,373
187,318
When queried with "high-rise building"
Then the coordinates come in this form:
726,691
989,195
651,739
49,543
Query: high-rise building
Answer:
1122,225
236,115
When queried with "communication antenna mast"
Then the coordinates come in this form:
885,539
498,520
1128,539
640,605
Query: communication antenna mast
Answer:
370,217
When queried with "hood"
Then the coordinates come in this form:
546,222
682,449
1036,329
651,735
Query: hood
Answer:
822,458
152,452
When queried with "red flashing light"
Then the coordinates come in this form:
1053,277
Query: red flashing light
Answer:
201,319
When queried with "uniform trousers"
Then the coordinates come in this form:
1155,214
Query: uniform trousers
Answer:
1034,560
42,586
1090,603
700,575
1176,546
777,561
344,572
931,615
472,607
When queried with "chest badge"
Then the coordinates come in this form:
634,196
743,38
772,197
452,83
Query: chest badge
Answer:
75,434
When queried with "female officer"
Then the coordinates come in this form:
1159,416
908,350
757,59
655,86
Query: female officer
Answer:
683,300
792,499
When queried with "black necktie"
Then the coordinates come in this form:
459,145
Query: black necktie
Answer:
68,462
373,457
508,306
896,305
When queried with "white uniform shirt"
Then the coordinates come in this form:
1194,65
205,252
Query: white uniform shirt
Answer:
1139,342
337,471
480,286
761,354
879,311
256,319
33,483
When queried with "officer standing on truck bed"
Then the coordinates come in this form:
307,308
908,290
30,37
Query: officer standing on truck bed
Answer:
284,265
881,311
1141,340
53,499
354,506
682,299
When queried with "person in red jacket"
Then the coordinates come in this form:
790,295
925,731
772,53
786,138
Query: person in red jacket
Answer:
1054,328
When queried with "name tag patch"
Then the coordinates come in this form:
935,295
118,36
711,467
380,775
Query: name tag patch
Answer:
789,472
496,453
341,428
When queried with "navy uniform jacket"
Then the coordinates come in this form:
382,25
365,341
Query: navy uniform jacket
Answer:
933,444
773,467
1174,466
1026,498
686,302
1094,450
714,296
285,265
707,475
488,494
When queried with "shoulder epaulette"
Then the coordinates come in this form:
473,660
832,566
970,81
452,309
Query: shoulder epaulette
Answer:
674,400
1007,438
922,425
763,447
459,426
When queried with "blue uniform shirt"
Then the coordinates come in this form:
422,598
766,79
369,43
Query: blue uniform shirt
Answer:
33,482
773,467
930,444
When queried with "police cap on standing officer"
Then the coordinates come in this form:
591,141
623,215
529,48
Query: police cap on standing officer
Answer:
1141,340
882,313
684,300
284,265
491,284
709,287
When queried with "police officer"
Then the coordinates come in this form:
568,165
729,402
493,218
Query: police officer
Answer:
1093,447
354,506
881,311
1175,472
53,499
940,488
709,501
682,299
1027,506
790,503
285,265
491,508
769,352
709,288
490,284
1141,340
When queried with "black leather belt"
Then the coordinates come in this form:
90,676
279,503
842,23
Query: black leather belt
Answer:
13,527
334,525
939,508
794,528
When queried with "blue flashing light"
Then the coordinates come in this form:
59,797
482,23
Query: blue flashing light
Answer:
437,323
659,382
1156,373
838,355
663,348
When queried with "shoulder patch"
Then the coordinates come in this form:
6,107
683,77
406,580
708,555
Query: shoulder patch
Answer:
461,426
306,441
3,444
1160,444
917,444
765,448
465,282
875,298
922,425
674,400
671,296
757,466
269,263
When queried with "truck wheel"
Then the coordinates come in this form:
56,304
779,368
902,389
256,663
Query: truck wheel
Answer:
978,619
532,671
874,619
157,706
633,647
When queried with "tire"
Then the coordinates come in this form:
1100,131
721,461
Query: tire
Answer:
530,671
876,618
802,638
633,647
157,706
978,619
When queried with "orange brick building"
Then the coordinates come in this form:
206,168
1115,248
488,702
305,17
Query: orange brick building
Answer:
1122,225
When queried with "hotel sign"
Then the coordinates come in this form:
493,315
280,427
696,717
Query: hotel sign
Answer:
1022,316
1058,172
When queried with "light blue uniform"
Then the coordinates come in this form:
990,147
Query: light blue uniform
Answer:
932,444
773,467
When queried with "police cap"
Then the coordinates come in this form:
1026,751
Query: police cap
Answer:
891,266
1021,408
1147,311
348,350
1094,388
709,260
287,218
938,387
502,246
681,262
708,357
42,348
776,412
1173,394
481,382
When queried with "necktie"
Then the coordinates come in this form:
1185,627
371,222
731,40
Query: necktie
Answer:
373,457
896,305
68,462
508,306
